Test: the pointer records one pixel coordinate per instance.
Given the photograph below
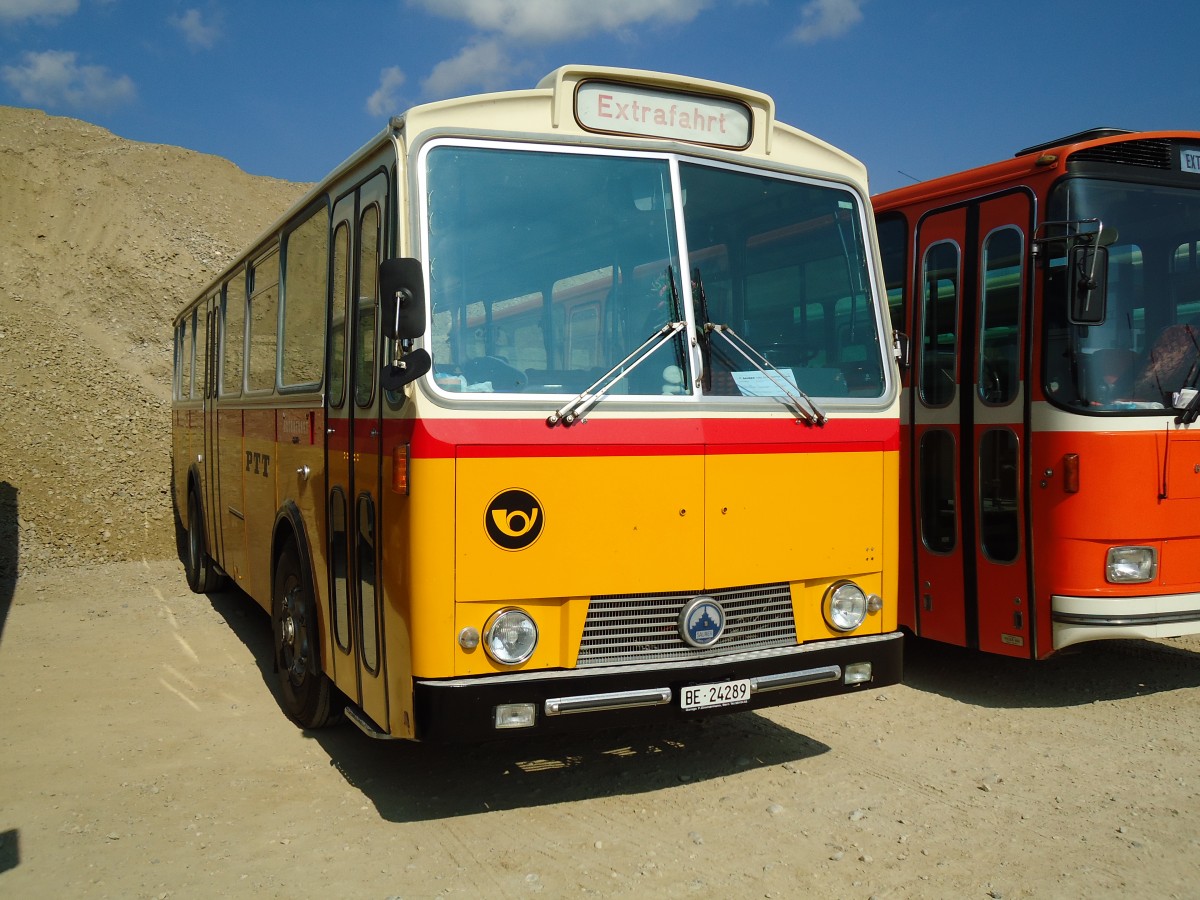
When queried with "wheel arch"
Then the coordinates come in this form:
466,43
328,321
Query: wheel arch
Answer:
193,484
290,529
289,526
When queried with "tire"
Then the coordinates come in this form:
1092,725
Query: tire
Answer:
307,694
203,576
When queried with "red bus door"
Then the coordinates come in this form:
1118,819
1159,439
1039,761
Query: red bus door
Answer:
352,450
936,431
968,447
1002,227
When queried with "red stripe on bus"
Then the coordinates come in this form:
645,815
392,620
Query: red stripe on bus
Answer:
474,438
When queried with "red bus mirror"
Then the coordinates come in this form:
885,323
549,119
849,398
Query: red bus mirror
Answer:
1087,283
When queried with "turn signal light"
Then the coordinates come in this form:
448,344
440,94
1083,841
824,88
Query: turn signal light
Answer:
400,455
1071,473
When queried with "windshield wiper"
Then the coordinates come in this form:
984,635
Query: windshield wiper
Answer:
571,412
702,339
808,411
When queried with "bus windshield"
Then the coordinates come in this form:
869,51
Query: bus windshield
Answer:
1148,346
550,268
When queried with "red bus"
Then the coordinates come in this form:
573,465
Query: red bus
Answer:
1050,457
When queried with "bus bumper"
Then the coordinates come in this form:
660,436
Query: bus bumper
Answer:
1080,619
554,701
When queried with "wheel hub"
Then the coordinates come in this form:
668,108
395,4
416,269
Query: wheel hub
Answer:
291,635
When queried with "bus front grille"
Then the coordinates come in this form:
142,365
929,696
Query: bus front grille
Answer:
637,628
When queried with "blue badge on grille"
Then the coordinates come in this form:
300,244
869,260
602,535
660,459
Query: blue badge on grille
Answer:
702,621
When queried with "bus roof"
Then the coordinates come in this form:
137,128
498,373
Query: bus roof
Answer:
552,111
1039,162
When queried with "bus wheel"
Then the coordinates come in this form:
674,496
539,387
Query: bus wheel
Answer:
307,693
201,571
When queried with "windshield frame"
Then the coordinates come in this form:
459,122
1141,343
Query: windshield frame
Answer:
691,391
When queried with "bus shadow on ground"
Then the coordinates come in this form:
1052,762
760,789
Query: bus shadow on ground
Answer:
412,782
1098,671
419,782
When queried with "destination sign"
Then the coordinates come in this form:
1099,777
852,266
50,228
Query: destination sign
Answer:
1189,161
614,108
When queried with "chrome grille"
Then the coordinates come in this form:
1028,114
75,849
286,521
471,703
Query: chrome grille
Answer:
632,628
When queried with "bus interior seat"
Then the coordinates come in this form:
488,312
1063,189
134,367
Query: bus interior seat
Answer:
495,371
823,381
861,368
1107,374
553,381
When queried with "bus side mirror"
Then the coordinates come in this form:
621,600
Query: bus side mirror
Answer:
406,370
1087,284
402,298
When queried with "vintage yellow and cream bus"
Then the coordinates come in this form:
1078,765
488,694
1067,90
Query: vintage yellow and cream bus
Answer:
556,408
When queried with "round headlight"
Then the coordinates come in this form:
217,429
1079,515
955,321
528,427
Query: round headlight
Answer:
510,636
845,606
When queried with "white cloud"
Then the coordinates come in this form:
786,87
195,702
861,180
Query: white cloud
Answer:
55,79
19,10
195,30
485,64
385,100
822,19
562,19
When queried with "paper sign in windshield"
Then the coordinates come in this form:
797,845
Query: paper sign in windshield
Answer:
762,384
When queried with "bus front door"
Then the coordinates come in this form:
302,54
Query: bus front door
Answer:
353,452
936,432
967,437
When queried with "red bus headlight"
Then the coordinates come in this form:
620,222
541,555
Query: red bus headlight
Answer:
1130,565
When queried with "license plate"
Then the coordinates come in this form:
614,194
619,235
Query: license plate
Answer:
721,693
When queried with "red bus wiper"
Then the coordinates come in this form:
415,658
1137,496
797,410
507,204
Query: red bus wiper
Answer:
571,412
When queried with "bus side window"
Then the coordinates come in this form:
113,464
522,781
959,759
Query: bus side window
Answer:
263,322
183,359
999,342
340,303
368,272
939,338
302,341
1185,281
893,239
233,335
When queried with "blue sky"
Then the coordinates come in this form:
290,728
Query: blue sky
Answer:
914,89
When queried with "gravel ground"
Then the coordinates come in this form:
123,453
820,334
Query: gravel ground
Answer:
145,755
